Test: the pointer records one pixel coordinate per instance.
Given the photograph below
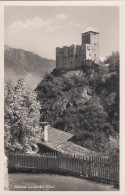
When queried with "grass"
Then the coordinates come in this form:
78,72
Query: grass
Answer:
50,182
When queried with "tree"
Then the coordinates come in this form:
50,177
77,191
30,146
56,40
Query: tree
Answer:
22,114
111,149
113,61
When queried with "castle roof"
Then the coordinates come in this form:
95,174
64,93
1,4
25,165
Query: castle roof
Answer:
90,29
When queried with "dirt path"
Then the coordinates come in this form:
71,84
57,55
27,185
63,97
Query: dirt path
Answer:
47,182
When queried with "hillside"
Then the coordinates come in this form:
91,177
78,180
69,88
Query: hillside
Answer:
83,103
18,62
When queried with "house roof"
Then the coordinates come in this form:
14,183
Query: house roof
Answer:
90,29
69,147
58,140
56,137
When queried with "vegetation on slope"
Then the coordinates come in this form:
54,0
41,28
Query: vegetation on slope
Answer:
84,103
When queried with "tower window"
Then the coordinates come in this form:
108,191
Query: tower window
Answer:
71,62
94,43
88,47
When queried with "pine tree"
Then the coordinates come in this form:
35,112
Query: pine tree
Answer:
22,114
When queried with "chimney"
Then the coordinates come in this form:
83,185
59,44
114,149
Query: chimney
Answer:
45,130
46,133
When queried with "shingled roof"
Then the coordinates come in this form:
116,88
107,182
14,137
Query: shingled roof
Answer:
60,141
56,137
68,147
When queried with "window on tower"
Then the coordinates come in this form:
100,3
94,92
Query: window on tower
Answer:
88,47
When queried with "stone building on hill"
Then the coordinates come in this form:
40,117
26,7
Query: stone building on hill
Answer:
76,56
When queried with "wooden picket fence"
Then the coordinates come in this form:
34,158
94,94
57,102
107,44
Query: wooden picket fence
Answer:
96,168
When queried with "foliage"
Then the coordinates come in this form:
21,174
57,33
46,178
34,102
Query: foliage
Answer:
22,114
111,149
83,103
108,92
88,122
113,61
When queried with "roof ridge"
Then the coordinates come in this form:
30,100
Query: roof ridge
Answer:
90,29
63,132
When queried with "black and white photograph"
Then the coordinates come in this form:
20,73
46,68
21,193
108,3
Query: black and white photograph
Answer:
61,98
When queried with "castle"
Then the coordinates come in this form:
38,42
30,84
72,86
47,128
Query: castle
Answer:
76,56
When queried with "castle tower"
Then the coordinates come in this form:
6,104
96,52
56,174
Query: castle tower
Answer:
90,41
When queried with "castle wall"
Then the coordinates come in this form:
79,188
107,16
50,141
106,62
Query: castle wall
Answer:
82,53
68,57
73,57
78,56
65,57
59,58
95,47
87,51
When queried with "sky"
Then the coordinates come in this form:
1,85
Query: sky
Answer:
40,29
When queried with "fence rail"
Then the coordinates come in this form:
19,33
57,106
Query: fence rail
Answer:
98,168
